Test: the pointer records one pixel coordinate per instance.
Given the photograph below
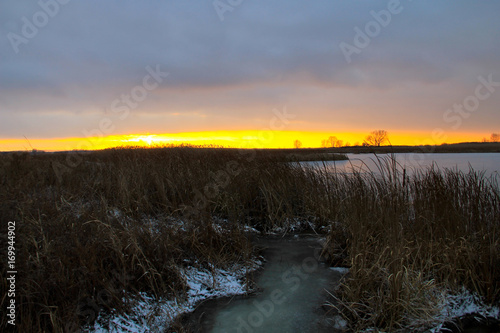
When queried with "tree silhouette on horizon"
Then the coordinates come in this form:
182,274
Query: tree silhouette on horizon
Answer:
297,144
376,138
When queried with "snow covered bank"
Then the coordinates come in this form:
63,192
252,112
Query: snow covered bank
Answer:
456,305
155,315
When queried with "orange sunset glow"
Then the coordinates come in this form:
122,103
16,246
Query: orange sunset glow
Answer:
230,139
259,75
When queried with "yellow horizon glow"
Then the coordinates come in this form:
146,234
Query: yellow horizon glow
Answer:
230,139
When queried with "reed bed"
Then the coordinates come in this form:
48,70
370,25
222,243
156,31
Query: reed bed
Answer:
407,239
107,226
96,226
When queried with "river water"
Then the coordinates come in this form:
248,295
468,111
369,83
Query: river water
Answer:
489,163
292,289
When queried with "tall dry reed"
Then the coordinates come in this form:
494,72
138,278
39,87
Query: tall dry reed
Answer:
407,238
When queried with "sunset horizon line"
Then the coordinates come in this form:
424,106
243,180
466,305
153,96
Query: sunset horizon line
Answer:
241,139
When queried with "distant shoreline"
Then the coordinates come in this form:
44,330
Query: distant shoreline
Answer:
464,147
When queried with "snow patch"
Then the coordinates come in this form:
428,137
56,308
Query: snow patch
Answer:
250,229
463,303
115,212
149,314
339,323
341,270
293,225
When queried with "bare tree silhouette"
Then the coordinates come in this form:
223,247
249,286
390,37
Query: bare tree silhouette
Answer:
297,144
495,137
332,141
376,138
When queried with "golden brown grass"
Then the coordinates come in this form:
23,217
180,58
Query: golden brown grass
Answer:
105,228
409,238
93,227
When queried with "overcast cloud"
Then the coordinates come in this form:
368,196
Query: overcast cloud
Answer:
230,74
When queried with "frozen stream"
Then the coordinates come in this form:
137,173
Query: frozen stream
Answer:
291,293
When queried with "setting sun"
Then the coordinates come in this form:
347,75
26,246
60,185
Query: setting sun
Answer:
229,139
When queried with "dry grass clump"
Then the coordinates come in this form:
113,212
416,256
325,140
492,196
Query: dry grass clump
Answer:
388,298
408,238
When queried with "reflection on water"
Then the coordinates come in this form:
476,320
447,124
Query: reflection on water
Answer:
487,162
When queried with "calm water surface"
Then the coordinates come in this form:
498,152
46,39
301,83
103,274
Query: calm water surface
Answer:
487,162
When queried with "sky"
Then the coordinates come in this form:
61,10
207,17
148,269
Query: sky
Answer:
261,73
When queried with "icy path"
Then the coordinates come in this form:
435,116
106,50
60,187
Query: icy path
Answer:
292,289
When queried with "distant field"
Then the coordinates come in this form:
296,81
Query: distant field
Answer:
309,154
